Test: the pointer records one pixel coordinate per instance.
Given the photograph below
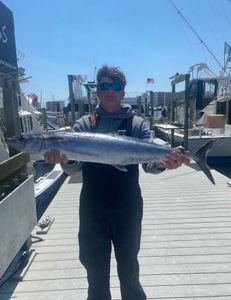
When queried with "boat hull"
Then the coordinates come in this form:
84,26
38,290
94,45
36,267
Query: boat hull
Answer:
220,153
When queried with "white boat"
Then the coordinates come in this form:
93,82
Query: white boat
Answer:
30,117
220,153
210,126
212,120
46,187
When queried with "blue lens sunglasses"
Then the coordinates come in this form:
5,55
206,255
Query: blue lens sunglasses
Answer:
105,86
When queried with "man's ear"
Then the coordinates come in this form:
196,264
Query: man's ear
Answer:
123,93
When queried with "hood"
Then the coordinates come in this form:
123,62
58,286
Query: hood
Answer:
124,113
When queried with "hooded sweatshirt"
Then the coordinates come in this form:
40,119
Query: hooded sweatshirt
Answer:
110,122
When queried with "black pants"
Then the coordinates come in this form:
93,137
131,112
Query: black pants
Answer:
111,216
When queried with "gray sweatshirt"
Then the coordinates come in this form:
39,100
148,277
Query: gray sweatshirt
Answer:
110,122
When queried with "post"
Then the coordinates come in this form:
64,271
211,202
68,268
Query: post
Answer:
186,113
139,105
72,99
146,106
11,116
172,138
89,102
152,109
44,118
172,104
10,109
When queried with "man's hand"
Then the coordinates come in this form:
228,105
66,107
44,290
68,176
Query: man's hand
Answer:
54,157
173,160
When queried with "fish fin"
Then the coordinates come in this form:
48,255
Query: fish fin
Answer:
200,157
148,141
121,168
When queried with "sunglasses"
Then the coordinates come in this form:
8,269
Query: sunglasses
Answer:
105,86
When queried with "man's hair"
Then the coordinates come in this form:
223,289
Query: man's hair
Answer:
113,73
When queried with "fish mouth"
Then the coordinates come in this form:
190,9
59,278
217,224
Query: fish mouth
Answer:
16,143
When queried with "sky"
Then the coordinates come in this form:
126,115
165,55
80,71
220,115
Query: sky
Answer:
146,39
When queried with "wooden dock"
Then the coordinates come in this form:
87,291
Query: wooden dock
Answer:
186,242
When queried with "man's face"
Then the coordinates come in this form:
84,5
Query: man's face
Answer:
110,98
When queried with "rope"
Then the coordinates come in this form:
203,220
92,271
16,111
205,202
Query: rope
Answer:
197,35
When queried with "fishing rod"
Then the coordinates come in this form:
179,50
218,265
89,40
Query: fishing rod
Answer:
197,35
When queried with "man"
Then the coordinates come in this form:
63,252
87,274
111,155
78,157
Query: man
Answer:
111,205
163,115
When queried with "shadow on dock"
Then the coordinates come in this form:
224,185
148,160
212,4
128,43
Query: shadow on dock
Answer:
76,178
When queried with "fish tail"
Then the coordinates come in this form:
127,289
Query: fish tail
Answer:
200,157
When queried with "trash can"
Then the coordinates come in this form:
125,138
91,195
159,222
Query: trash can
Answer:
42,167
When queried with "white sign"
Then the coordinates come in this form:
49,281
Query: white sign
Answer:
1,98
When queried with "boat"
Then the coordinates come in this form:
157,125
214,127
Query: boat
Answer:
23,202
46,186
219,154
208,114
214,126
47,177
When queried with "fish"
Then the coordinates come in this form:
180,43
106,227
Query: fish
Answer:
111,149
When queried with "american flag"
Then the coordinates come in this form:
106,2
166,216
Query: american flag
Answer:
150,80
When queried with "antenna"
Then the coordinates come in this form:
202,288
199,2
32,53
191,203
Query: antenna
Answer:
94,74
197,35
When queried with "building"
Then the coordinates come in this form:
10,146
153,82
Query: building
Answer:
55,106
